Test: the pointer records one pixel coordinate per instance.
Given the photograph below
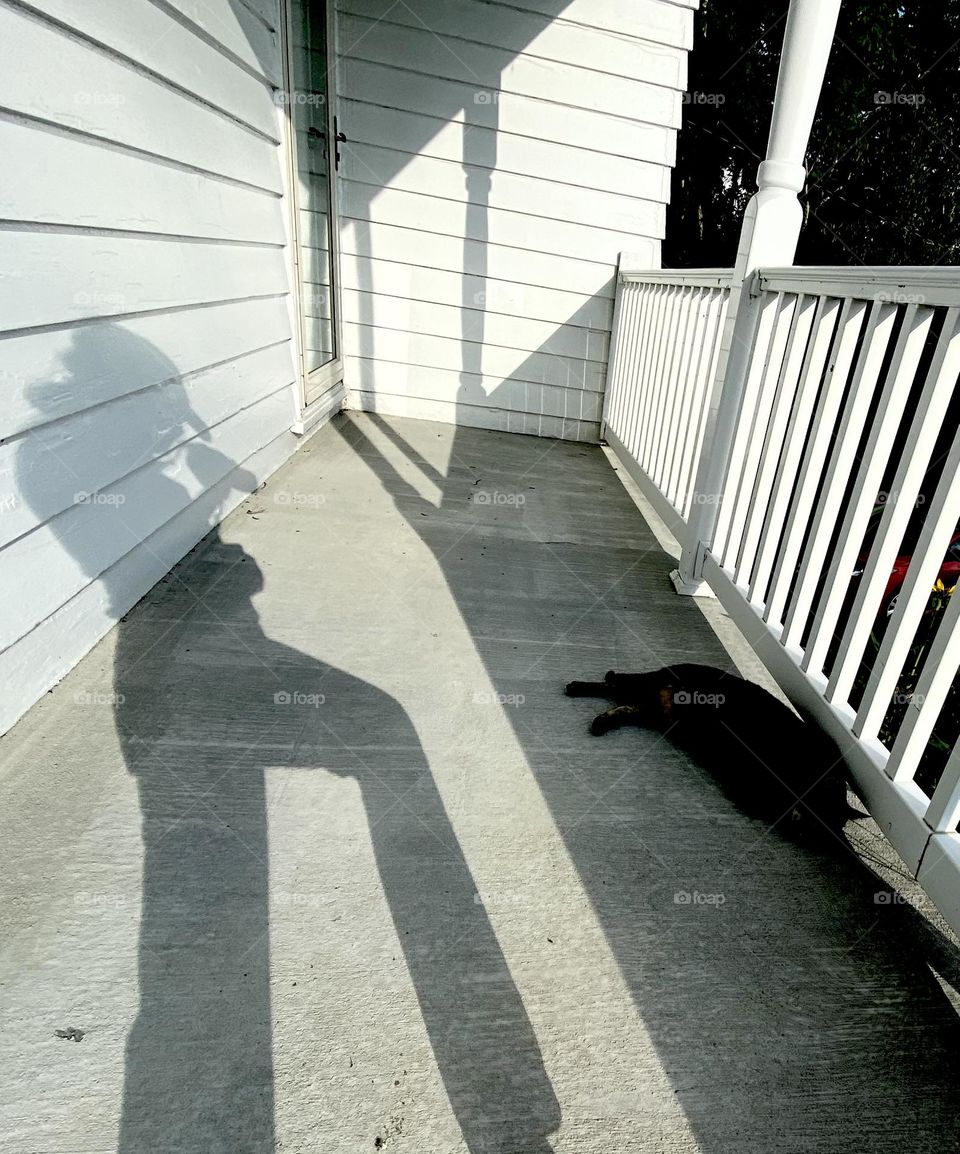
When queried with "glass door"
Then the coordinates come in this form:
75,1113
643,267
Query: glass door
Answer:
314,157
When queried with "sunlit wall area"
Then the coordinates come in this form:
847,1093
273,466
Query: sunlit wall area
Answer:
499,158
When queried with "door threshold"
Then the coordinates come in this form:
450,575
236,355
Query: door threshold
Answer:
319,411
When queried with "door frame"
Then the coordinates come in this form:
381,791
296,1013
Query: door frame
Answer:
314,386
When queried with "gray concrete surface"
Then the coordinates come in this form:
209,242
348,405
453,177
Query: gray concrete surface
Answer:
318,857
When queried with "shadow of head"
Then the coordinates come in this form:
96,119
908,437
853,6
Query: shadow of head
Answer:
119,445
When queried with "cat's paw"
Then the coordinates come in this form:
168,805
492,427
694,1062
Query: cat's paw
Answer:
576,689
599,726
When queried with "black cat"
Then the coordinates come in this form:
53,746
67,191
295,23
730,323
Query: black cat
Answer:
774,765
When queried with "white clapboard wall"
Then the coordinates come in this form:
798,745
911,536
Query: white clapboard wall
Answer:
145,339
500,156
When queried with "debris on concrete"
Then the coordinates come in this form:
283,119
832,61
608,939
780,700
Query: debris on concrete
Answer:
70,1034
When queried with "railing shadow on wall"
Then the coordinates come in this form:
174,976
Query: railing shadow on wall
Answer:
832,537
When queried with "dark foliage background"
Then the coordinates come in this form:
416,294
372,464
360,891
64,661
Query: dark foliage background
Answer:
884,156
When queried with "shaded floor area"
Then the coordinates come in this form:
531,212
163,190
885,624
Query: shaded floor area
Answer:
317,856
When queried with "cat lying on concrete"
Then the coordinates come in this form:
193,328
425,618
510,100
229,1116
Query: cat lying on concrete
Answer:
771,763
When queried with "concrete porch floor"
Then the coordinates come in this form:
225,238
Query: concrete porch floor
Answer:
319,858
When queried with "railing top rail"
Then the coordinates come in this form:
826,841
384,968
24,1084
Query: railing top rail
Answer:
909,284
694,277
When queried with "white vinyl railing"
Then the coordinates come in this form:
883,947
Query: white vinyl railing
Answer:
663,361
845,446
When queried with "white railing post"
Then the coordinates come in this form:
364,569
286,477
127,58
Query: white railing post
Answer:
769,235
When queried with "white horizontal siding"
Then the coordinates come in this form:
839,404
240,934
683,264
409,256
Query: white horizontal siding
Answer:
455,353
463,398
490,69
40,658
453,253
447,100
511,298
45,382
110,188
97,535
664,23
527,35
145,338
500,157
522,230
51,76
95,451
58,277
537,159
145,35
510,192
477,325
249,37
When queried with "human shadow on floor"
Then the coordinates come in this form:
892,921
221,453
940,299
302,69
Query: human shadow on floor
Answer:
204,704
793,1000
204,713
